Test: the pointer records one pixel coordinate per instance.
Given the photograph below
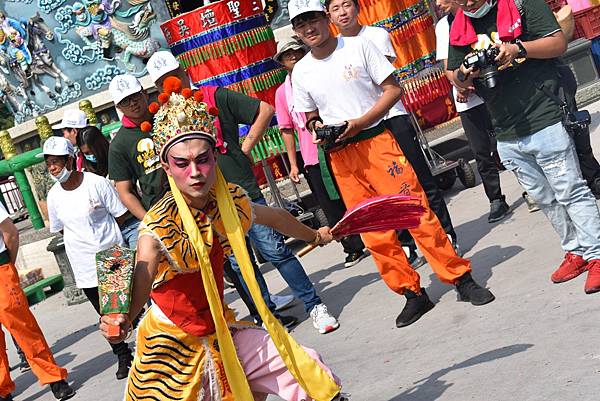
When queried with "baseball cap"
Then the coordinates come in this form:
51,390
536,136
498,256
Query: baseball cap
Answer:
122,86
57,146
161,63
297,7
285,45
72,118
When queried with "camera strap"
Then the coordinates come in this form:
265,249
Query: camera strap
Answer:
560,102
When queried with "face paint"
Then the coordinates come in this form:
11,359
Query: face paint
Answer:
192,165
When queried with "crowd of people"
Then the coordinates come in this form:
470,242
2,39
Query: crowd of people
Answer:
176,184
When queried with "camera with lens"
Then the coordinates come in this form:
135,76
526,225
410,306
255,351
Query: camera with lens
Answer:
484,61
576,122
329,134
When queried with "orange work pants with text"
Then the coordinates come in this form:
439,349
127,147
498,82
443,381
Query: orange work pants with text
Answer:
16,317
377,166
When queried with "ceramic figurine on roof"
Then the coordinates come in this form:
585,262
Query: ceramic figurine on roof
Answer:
134,37
56,51
99,20
10,94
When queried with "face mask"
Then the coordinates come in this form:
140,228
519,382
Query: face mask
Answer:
63,176
482,11
91,158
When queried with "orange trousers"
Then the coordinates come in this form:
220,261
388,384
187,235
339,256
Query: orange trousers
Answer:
377,166
16,317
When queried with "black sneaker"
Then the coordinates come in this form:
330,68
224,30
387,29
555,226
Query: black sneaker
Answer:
416,306
354,257
23,367
62,390
228,282
125,361
469,291
531,205
414,259
289,322
498,210
6,398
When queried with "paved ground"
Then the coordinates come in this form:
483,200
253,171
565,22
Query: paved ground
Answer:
537,342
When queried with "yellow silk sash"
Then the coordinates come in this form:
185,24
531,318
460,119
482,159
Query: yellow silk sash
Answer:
314,380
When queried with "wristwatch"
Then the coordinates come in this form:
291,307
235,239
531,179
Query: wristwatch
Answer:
522,51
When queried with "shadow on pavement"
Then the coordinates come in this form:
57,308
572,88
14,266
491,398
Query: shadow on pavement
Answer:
432,387
483,262
72,338
471,232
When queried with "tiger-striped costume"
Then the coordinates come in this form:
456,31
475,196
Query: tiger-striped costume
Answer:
170,363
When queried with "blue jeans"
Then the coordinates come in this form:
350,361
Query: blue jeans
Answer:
272,247
129,231
546,165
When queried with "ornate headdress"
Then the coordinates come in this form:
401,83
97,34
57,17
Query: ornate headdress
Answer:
181,115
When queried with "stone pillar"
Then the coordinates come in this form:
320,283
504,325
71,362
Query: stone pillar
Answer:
73,294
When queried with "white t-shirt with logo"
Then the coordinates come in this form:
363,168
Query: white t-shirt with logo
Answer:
3,216
343,86
442,38
87,217
381,39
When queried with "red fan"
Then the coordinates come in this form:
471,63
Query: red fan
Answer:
381,213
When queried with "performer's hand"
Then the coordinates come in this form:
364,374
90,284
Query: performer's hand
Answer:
353,128
317,124
294,171
122,320
508,54
325,235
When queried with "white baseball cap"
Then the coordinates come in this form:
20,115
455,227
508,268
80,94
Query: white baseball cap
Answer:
297,7
72,118
57,146
161,63
122,86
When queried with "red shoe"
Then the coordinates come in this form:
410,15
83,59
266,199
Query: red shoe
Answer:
571,267
592,283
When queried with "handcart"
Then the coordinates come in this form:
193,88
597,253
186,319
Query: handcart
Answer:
419,91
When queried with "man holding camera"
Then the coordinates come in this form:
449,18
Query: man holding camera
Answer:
346,87
475,120
514,70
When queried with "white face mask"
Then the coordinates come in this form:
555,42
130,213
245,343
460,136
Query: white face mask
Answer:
63,176
482,11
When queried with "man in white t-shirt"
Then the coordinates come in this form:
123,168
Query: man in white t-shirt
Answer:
475,120
84,207
344,15
18,320
73,121
348,82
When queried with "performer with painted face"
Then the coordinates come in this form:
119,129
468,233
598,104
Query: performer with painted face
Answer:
189,344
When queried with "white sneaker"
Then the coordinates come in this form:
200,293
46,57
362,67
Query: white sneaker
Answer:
282,301
322,320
